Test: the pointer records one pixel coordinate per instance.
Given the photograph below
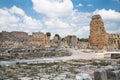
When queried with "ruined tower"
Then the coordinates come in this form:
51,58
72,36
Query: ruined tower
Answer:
98,36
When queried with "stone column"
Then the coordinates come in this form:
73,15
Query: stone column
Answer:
100,75
114,75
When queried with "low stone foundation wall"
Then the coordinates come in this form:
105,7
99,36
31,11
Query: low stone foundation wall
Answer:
22,53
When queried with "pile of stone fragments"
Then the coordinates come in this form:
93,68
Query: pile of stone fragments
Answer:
101,74
107,74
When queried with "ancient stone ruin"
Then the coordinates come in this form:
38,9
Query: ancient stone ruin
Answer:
114,41
25,53
70,41
100,38
16,39
107,74
55,41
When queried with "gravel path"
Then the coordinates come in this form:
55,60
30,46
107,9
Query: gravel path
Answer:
77,54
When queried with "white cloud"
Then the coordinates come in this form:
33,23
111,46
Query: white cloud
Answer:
111,19
80,5
15,19
56,23
57,26
108,14
64,25
89,5
53,8
61,18
70,24
15,10
83,31
58,18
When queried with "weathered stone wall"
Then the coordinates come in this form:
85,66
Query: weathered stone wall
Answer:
69,41
98,36
55,41
114,41
25,53
64,43
82,45
17,39
23,40
13,39
38,39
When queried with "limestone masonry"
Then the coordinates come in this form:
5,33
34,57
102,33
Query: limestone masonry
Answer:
23,40
17,39
100,38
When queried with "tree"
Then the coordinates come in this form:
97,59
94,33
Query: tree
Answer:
83,40
48,34
57,36
63,39
78,39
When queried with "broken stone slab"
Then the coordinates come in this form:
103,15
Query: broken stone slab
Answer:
83,76
114,75
108,72
100,74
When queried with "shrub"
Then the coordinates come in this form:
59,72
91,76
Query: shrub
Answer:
48,34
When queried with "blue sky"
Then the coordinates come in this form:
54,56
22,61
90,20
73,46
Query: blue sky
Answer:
64,17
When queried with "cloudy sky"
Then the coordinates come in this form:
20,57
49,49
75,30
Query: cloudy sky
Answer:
64,17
